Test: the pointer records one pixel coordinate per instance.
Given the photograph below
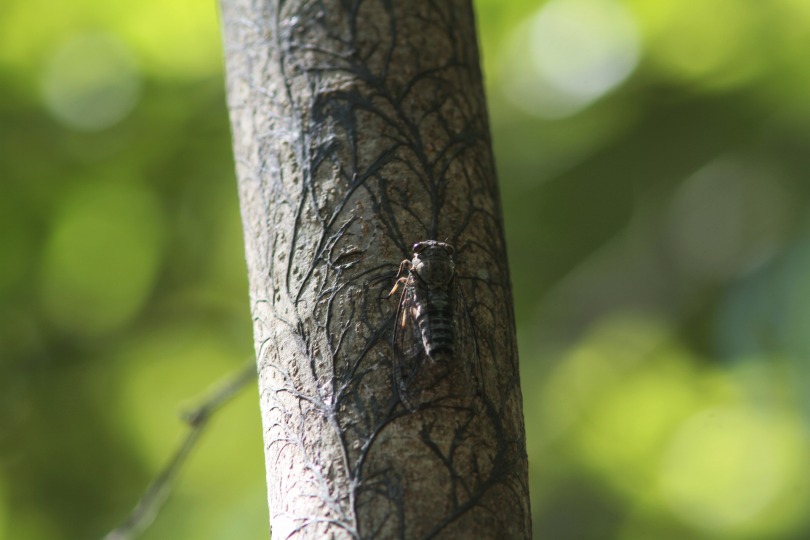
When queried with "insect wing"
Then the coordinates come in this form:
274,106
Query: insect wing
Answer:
466,345
408,351
415,374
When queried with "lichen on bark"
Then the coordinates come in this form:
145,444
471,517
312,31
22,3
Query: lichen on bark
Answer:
360,128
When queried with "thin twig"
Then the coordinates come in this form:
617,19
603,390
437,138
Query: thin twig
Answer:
158,491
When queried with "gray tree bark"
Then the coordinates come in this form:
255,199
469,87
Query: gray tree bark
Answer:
359,128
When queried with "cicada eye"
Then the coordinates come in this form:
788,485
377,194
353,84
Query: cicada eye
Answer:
419,246
449,249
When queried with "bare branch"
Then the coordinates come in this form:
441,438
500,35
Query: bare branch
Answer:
159,490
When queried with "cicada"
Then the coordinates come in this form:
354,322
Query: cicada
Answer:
431,321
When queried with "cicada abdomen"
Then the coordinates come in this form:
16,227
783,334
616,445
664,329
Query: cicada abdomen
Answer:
428,321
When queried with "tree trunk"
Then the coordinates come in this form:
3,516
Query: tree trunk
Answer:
359,129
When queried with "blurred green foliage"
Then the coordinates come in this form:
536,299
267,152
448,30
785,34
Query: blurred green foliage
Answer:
653,160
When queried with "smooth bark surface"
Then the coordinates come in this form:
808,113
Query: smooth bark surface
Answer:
360,128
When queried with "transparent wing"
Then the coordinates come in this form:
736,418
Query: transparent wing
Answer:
420,380
409,354
466,346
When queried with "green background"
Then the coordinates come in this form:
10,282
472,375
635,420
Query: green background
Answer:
653,159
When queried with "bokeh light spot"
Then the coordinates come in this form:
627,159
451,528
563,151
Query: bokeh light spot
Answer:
727,464
714,41
91,82
625,432
102,257
619,394
728,218
570,54
178,39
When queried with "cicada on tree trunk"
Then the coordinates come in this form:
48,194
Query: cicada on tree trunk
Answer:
433,334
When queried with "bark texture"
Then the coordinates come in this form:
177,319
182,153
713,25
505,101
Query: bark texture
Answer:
360,127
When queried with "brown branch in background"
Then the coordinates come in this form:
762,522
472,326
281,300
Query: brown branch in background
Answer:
159,490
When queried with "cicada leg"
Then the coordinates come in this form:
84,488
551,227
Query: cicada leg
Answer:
400,279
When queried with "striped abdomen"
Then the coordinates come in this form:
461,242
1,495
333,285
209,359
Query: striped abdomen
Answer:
433,312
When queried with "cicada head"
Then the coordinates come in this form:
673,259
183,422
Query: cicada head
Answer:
433,262
428,245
